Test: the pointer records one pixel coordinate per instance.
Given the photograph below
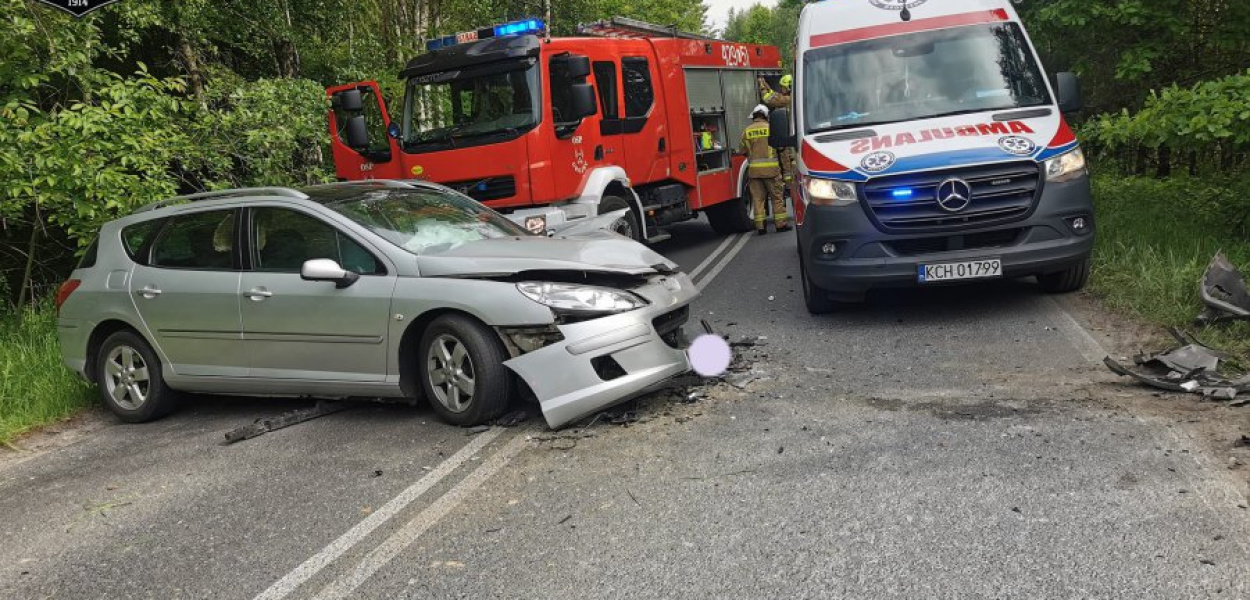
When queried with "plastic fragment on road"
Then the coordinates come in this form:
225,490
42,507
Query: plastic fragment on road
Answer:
265,425
1191,368
1224,292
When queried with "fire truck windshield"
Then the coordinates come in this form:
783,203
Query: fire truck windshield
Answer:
920,76
458,109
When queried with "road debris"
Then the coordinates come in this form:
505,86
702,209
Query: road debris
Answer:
476,430
1190,368
1224,292
295,417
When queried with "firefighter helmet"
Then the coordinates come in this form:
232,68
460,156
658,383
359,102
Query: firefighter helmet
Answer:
786,80
760,109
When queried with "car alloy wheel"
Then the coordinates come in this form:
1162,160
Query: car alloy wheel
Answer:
451,373
126,378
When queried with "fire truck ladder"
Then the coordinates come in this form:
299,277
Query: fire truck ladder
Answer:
622,27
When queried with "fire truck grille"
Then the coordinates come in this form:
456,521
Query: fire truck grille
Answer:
1001,193
482,190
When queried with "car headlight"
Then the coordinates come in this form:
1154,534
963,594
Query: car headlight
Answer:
583,299
827,192
1066,167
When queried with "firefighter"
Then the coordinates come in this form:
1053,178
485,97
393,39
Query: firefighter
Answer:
774,100
762,173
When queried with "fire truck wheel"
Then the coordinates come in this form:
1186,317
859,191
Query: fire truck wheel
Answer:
730,216
627,225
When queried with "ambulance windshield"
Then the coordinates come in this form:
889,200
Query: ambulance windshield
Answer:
469,108
920,76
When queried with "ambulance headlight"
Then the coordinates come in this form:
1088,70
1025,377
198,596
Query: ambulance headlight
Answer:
827,192
1066,167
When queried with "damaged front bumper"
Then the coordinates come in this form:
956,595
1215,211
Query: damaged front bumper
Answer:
605,361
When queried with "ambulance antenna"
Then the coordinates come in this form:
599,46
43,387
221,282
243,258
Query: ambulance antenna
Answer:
905,14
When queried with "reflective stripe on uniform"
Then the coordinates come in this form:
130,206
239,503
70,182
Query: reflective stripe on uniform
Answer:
763,163
755,133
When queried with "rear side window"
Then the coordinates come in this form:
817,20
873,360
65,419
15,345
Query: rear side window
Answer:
137,236
283,239
196,241
639,96
89,255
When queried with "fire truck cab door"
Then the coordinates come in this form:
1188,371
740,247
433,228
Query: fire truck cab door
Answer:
360,106
576,141
645,128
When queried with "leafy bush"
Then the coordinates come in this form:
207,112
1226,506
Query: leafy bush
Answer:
1211,118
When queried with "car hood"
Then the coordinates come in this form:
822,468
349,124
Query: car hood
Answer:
601,251
993,136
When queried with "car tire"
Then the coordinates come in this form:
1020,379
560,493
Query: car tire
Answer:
131,380
816,298
1068,280
731,216
462,371
628,225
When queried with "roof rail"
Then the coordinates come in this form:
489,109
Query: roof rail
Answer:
389,183
252,191
624,27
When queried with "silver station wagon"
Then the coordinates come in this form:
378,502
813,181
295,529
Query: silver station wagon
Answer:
368,289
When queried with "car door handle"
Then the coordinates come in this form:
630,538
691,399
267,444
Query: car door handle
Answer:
149,292
258,294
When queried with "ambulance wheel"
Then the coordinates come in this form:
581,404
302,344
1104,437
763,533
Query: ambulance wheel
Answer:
626,225
730,216
817,299
1068,280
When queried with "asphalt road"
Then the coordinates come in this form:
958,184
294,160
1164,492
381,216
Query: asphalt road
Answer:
950,443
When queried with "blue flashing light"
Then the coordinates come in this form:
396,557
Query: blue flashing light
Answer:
522,27
519,27
902,193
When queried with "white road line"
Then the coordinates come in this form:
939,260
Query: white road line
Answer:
1080,337
392,546
711,257
283,587
724,261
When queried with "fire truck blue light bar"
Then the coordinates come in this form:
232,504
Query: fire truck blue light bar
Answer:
522,27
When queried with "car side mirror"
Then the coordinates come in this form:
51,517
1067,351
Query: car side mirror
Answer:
779,134
357,134
324,269
348,100
583,99
1068,88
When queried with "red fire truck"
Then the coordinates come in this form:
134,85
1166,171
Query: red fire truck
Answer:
552,130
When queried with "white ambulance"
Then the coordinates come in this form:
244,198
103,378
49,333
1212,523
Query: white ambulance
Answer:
932,148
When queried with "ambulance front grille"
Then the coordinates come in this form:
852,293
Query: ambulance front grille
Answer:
1001,193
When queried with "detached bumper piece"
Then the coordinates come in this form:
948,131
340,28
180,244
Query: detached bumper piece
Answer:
1224,292
1189,368
605,361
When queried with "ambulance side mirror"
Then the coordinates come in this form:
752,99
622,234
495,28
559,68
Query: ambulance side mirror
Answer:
1068,88
583,100
779,134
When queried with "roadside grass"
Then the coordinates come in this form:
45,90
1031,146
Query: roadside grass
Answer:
1155,240
35,387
